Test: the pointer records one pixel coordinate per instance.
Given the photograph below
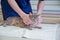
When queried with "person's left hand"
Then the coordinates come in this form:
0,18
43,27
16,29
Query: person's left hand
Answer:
39,19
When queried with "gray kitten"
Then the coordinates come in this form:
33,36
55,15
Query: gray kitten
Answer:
17,21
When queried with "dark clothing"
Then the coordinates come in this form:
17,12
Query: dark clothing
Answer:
9,12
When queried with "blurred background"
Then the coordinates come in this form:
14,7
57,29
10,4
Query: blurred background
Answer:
51,12
50,15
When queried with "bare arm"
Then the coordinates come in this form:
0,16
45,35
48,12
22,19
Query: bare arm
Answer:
15,6
23,15
40,7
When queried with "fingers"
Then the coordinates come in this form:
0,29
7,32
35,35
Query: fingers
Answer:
27,21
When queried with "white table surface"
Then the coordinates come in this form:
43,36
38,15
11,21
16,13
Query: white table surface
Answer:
48,32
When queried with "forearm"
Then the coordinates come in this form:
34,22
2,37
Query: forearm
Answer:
40,7
15,6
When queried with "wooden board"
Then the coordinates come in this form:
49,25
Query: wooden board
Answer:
47,18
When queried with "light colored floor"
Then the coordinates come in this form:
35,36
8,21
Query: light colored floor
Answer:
14,38
48,32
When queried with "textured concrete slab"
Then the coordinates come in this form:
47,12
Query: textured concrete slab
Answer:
48,32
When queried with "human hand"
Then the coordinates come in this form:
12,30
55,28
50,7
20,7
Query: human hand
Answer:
26,19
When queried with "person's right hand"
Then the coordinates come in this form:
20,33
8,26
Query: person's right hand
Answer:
26,19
